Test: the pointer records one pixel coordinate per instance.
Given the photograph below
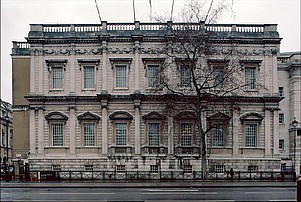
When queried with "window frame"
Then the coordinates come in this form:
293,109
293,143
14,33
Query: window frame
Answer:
218,138
250,79
124,143
281,144
246,139
52,87
84,134
84,87
184,137
62,135
184,76
153,77
281,91
281,118
158,135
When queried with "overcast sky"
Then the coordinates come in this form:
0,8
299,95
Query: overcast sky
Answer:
16,15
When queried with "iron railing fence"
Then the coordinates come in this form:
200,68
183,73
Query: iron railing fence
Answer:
104,176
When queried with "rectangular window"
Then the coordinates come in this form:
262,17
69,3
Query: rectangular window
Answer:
89,77
281,91
186,134
88,167
89,136
57,134
121,133
121,76
250,135
252,169
56,167
153,76
281,144
185,76
154,134
218,137
281,118
250,77
219,168
120,168
57,77
154,168
217,76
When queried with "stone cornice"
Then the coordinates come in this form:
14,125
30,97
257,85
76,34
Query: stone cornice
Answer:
144,97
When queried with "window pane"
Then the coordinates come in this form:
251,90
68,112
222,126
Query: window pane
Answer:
57,134
218,137
153,134
89,134
217,75
121,77
121,133
57,77
89,81
250,133
153,75
186,131
185,76
250,77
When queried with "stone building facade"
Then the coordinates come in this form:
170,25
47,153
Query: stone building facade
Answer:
289,73
6,133
91,104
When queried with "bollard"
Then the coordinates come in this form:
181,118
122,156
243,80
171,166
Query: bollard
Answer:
39,176
299,189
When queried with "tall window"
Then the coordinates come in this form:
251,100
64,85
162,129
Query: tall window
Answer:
57,134
250,77
250,135
89,77
281,118
218,137
153,134
185,76
89,135
186,134
57,77
217,76
121,76
121,133
153,75
281,91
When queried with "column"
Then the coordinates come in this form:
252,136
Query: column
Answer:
32,72
72,130
267,133
104,105
137,127
170,135
276,133
104,67
137,76
41,75
72,71
235,146
40,131
32,133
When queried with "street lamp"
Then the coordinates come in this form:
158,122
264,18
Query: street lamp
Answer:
294,123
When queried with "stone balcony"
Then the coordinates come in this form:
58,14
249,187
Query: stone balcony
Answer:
159,151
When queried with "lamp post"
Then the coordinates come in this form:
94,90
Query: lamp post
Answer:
294,123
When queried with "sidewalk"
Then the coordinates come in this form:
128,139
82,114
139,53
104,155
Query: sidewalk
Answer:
155,184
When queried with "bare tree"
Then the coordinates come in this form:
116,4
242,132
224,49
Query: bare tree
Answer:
201,70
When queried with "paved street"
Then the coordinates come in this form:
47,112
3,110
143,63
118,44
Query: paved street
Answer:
147,192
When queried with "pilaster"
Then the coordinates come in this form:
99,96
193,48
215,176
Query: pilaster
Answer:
72,130
40,131
137,76
235,146
32,133
104,105
137,127
267,133
276,133
104,67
